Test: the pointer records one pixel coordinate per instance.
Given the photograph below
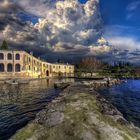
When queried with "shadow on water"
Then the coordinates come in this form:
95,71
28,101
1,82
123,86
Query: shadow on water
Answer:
20,103
126,97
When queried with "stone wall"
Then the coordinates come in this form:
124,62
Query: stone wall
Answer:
22,64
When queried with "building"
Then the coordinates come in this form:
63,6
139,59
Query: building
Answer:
22,64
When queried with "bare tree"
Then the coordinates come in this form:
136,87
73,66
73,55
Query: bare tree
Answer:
91,64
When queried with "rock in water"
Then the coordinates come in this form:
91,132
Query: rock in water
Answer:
61,85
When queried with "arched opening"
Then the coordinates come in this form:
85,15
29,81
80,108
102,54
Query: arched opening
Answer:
60,74
9,56
1,56
9,67
17,68
47,73
1,67
17,56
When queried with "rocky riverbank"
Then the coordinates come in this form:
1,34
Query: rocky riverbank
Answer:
101,83
79,113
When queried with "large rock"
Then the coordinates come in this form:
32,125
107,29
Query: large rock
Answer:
80,114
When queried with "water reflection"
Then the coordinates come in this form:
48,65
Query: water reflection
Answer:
126,97
18,93
20,103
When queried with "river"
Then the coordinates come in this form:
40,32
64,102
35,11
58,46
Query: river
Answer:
126,97
20,103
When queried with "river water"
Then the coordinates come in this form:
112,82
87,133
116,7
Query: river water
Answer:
126,97
20,103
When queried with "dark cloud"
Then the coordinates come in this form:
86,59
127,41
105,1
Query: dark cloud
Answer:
66,29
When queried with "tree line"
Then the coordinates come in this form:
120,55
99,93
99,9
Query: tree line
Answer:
118,69
89,65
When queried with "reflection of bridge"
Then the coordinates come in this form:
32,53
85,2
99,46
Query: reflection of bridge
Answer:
22,64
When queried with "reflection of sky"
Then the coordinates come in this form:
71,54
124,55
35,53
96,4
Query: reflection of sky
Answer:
20,103
126,97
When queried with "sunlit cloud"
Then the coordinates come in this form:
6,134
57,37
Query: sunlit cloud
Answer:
121,42
123,37
61,28
66,21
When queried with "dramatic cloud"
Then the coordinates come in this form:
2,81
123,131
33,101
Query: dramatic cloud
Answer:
125,47
66,21
64,27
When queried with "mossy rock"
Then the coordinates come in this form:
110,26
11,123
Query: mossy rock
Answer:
83,120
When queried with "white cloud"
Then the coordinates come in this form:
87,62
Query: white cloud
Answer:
122,37
71,29
132,9
133,6
66,21
121,42
129,16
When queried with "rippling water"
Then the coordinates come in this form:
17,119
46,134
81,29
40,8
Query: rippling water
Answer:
20,103
126,97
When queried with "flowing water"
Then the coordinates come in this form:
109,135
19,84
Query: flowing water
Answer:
20,103
126,97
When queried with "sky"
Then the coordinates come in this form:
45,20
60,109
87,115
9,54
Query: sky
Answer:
114,12
28,17
122,21
33,18
64,28
68,28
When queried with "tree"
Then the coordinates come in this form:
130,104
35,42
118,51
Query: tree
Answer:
91,64
4,45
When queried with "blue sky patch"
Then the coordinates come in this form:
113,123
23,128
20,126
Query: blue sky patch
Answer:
123,15
28,17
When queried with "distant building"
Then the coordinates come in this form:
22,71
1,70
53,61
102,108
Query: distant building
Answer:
22,64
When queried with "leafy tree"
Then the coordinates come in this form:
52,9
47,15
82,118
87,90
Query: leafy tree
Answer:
4,45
